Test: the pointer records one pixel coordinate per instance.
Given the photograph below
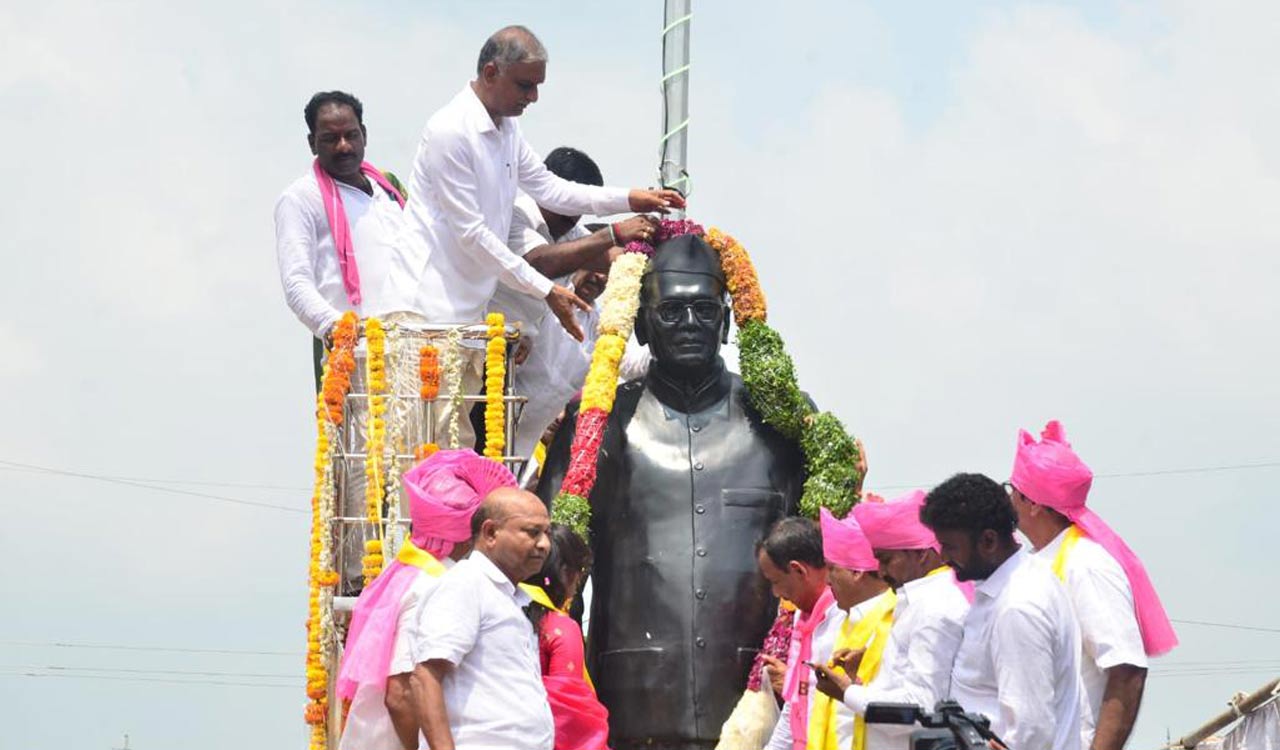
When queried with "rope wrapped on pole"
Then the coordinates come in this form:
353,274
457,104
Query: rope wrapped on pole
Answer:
673,147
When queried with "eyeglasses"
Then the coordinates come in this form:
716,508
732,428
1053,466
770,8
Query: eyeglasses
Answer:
706,311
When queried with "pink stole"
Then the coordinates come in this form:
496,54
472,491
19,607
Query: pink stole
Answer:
338,225
795,691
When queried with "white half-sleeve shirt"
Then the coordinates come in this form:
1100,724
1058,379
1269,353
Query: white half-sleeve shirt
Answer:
465,177
368,724
1019,661
1109,634
928,624
387,258
494,695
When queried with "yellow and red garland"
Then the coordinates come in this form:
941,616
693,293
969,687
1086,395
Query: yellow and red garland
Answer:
322,578
831,455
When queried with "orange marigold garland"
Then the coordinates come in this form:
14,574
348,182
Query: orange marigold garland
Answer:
375,437
429,372
322,578
495,375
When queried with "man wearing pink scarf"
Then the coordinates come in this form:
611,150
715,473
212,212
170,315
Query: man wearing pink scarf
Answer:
928,618
791,559
1122,621
444,491
341,241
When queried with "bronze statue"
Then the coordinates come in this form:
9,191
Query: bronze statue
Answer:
690,478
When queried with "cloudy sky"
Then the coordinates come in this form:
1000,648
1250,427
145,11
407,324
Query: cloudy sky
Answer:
969,218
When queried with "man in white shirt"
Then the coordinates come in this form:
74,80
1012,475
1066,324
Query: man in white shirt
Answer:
552,364
853,574
928,618
468,167
374,272
478,683
1019,661
790,558
1048,488
377,658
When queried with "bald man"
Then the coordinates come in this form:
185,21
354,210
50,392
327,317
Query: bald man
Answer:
478,683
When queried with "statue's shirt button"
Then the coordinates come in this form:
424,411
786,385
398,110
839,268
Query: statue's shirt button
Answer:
702,552
698,466
701,642
700,593
699,508
697,428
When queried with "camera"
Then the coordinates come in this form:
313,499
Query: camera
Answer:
948,727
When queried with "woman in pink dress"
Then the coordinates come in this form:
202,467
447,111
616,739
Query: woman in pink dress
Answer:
582,723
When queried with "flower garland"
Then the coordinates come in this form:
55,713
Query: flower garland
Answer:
453,382
619,304
375,438
403,386
495,375
429,372
831,456
322,578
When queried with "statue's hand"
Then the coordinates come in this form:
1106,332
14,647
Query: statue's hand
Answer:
862,464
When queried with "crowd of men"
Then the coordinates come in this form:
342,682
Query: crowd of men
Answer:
924,598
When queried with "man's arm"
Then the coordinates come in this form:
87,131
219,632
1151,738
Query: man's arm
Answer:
1120,702
428,702
454,181
296,232
925,674
399,704
570,198
592,251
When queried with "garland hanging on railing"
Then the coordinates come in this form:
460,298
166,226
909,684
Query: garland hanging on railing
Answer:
322,578
831,455
495,375
429,372
375,438
452,367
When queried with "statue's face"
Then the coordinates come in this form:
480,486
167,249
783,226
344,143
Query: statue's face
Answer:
684,321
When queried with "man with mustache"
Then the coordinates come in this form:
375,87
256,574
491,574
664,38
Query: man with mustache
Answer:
339,227
478,683
469,165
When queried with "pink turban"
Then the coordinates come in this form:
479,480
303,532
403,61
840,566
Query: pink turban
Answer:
895,524
844,544
444,491
1049,473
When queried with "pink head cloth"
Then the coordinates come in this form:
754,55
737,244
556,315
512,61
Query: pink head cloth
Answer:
1050,473
894,524
844,543
444,491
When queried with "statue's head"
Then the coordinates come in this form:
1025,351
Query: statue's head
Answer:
683,316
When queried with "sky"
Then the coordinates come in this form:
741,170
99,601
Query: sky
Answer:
969,218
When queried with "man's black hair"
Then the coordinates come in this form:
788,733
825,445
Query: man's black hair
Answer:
322,98
570,164
969,502
793,538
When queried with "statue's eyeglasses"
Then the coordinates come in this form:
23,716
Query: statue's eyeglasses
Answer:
706,311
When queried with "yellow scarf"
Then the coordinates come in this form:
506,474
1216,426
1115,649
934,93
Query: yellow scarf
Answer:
1068,543
539,596
421,559
871,633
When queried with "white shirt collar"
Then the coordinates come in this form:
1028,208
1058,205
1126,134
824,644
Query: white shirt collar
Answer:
476,113
499,578
861,609
918,586
995,583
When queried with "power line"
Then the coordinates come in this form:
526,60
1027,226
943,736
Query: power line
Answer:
146,679
174,649
1123,474
128,670
144,485
1229,625
190,482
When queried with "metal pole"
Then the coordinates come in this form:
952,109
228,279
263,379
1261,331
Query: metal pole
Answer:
673,149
